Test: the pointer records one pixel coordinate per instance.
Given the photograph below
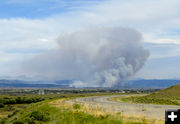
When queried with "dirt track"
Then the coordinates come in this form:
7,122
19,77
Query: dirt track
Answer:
146,110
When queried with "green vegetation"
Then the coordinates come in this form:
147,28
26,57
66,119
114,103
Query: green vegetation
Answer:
11,104
76,106
172,93
20,100
168,96
1,105
33,98
44,113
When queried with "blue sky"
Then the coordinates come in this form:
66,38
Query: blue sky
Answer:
30,27
41,8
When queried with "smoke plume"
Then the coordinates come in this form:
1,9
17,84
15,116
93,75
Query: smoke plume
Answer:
95,57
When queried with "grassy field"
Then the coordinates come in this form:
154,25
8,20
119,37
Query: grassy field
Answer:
168,96
56,111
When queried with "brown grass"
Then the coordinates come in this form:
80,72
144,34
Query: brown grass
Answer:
96,110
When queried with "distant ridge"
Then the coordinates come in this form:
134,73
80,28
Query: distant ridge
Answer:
34,84
152,83
132,84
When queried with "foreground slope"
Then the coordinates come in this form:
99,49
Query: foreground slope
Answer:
58,111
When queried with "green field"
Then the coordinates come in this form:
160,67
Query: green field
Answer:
168,96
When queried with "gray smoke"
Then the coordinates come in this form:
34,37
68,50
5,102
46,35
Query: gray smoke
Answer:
96,57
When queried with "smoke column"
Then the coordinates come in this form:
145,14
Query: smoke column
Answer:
95,57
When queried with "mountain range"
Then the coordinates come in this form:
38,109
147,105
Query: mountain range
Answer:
138,83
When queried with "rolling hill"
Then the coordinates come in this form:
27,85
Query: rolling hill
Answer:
168,96
172,92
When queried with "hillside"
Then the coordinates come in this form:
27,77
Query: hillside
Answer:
168,96
172,92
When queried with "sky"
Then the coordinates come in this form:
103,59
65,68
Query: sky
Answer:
31,27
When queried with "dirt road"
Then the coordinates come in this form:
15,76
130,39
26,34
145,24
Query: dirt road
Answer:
146,110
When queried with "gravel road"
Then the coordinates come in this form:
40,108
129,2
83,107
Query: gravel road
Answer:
146,110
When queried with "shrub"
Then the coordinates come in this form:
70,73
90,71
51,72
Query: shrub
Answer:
39,116
9,108
10,115
76,106
30,120
19,100
1,105
10,101
103,116
18,122
3,121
